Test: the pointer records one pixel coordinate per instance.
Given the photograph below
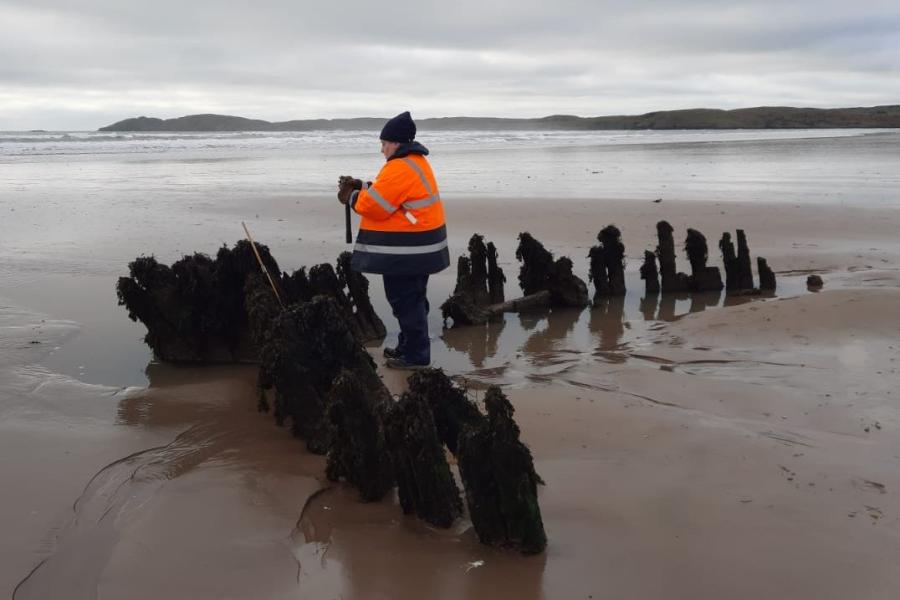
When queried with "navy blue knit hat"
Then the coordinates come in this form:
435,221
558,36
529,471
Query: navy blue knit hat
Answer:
399,129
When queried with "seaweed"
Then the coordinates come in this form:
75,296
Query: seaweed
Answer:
195,310
425,483
358,452
369,326
306,348
452,409
497,470
500,481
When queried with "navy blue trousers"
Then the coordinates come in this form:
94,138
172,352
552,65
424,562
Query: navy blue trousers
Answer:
407,296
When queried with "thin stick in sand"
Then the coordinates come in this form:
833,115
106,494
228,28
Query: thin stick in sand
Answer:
261,264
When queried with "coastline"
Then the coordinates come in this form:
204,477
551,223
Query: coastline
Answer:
759,117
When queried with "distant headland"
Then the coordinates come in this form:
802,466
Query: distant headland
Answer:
762,117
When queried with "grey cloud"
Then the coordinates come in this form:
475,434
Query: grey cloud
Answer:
105,59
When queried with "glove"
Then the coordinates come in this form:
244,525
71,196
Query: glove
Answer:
346,186
344,192
355,184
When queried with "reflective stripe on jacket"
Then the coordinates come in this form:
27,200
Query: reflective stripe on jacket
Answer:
402,230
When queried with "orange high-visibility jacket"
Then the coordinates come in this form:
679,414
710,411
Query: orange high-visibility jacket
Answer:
402,230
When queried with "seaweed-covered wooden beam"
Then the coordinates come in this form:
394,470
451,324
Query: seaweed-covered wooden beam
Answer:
496,468
195,310
500,481
540,272
672,280
369,326
204,310
729,259
425,482
307,347
766,275
607,263
496,278
703,278
744,264
650,274
479,296
358,452
739,269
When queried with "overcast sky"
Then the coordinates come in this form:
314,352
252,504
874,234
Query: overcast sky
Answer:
81,64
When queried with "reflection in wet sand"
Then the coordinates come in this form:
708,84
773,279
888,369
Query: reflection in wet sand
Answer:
648,306
347,549
530,319
667,306
560,323
738,299
700,301
608,321
478,342
509,352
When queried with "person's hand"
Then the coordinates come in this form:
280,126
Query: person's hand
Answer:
344,192
355,184
346,186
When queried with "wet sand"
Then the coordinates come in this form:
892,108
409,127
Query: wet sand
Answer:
741,451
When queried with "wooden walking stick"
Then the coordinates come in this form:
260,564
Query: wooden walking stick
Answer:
261,265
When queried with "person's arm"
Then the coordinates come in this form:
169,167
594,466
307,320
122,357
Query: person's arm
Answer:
381,199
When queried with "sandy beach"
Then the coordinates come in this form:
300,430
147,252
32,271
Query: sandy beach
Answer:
740,451
677,225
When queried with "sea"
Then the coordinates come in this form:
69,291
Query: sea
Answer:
76,207
831,165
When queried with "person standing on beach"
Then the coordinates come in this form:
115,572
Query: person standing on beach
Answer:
402,235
